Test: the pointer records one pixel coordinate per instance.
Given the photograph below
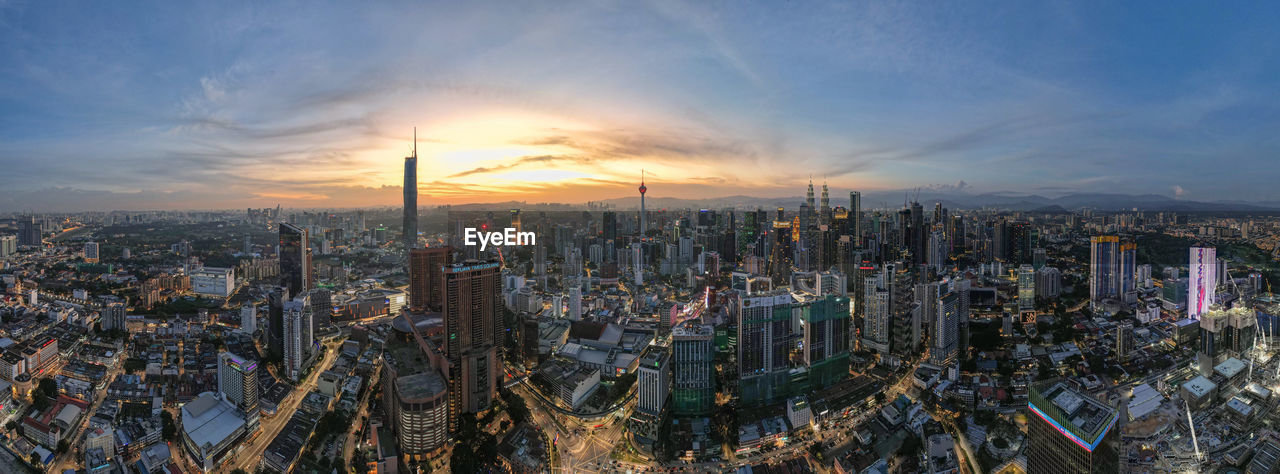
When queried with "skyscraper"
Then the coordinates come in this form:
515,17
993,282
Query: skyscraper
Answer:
238,384
945,331
1112,267
295,264
654,380
474,334
1070,432
826,340
1203,281
764,343
298,336
1026,287
249,318
426,288
410,225
275,320
855,217
692,369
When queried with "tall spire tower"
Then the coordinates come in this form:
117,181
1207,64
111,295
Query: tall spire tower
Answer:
410,227
808,197
643,189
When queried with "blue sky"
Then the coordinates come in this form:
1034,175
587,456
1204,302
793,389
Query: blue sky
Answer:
154,105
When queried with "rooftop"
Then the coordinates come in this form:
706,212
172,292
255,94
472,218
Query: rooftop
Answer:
207,420
1084,419
1199,386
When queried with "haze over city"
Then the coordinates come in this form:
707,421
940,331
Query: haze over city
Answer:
119,106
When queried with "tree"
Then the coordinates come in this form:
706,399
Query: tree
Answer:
169,430
63,446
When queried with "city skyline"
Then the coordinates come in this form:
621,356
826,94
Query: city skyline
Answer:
262,105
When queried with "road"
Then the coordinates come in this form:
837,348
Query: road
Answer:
349,448
248,457
69,459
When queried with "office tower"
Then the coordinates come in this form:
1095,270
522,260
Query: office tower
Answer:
516,222
409,226
926,297
1124,340
91,252
295,262
855,217
238,384
824,206
113,317
275,320
248,244
249,318
1203,281
643,225
1019,243
321,301
1026,288
1112,266
298,336
827,329
876,320
917,234
1070,432
945,330
609,228
764,342
654,380
692,370
937,251
415,394
426,289
474,335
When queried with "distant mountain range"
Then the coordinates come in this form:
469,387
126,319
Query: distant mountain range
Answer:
961,200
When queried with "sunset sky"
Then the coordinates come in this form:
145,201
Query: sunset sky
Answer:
126,105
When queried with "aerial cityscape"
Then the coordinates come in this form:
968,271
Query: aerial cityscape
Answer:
861,237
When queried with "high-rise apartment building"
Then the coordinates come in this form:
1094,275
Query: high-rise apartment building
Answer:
1124,340
827,332
298,336
473,335
944,333
765,339
1070,432
113,317
1112,267
91,252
